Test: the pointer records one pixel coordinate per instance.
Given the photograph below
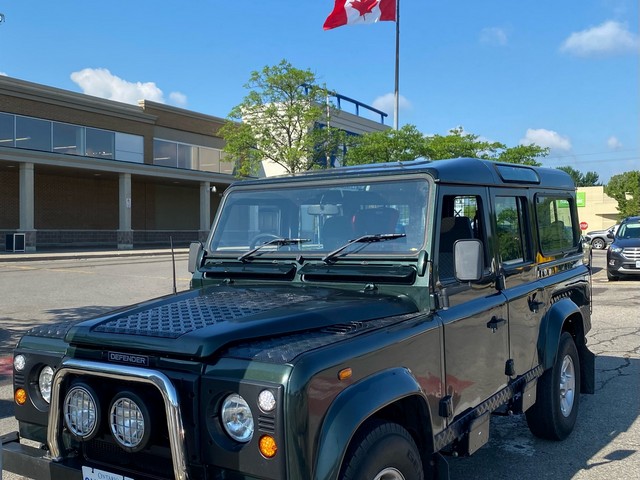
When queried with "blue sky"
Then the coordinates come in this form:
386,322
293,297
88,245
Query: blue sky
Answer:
562,74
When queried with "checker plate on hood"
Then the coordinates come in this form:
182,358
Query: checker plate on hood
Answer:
175,319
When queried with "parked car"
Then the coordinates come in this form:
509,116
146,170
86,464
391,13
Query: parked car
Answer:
623,256
599,239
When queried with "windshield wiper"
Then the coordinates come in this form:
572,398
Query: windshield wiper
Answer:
280,242
366,239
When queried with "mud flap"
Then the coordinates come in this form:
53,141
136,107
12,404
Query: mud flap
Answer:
439,467
587,370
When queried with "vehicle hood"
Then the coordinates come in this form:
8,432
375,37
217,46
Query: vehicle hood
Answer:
197,323
597,232
626,242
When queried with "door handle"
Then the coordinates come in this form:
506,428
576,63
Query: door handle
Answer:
495,323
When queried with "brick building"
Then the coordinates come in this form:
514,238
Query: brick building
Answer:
81,171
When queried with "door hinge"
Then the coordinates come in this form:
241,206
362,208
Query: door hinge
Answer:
445,409
510,368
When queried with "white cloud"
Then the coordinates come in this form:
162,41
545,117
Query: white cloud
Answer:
493,36
4,74
614,144
100,82
546,138
177,98
610,38
386,103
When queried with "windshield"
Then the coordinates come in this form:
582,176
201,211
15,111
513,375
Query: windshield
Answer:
629,230
323,218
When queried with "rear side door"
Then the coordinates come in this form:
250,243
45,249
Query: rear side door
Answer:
514,243
474,314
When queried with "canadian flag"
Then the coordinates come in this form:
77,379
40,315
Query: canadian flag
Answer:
349,12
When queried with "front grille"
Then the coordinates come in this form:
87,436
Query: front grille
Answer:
632,253
155,462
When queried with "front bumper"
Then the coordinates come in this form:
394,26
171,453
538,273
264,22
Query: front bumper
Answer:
33,462
620,265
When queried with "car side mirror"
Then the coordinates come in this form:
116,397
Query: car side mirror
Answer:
195,250
468,259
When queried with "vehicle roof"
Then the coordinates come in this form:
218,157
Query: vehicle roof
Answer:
471,171
633,219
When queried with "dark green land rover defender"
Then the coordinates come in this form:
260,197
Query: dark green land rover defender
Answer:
352,323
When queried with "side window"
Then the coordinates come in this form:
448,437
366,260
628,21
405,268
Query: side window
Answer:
556,223
461,218
510,220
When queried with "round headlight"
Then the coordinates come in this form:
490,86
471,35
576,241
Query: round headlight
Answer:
237,418
129,421
81,412
44,383
266,401
19,362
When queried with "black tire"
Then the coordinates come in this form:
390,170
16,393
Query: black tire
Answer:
383,451
598,243
554,414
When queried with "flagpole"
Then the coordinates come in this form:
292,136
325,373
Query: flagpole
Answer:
397,75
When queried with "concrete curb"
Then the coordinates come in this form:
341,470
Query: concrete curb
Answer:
32,257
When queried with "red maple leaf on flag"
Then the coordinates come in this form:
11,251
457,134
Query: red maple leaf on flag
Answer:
364,6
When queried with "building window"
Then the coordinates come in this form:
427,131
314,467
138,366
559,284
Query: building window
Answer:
187,156
209,159
7,130
33,134
67,139
100,143
129,148
165,153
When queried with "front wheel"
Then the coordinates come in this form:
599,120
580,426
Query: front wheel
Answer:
383,451
598,243
554,414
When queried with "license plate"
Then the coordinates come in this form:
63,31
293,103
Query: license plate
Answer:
637,263
89,473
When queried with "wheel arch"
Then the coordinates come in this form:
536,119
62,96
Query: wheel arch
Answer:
397,395
566,316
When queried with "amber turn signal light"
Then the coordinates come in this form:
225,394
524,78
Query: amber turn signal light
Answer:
268,447
345,373
20,396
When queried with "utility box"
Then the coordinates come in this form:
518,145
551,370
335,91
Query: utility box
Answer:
15,242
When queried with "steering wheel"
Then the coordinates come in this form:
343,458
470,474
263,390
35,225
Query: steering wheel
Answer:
261,238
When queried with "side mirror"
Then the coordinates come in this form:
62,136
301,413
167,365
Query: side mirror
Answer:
468,260
195,252
610,235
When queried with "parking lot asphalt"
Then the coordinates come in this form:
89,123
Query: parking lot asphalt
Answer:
605,443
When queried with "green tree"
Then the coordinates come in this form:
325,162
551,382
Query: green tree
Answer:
460,144
402,145
589,179
409,144
278,120
523,154
625,189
